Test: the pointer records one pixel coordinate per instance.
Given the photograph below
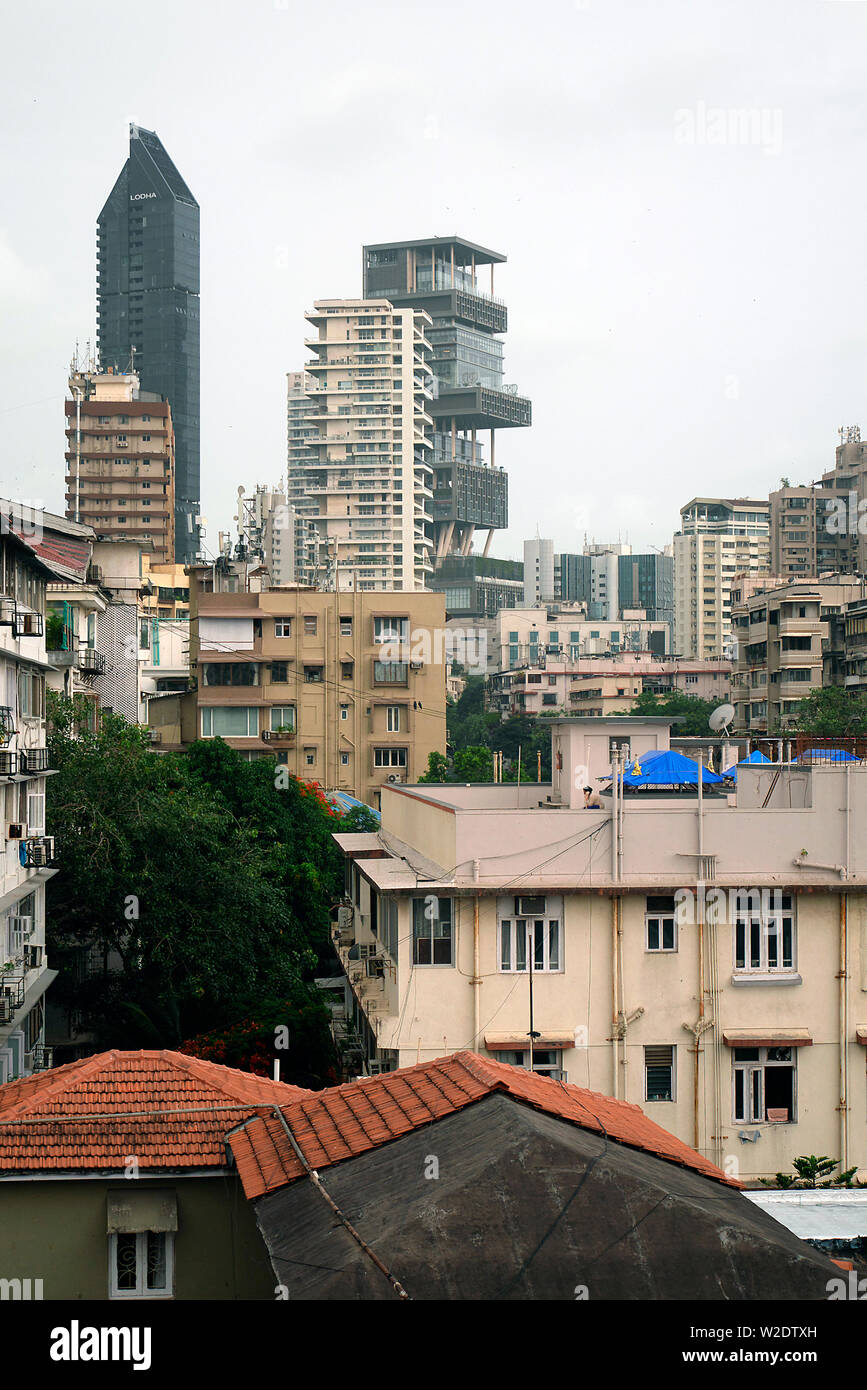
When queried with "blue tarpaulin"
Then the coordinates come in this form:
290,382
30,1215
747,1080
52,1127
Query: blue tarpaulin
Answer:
755,757
664,768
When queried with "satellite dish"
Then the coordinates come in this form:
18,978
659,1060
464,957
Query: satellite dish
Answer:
721,717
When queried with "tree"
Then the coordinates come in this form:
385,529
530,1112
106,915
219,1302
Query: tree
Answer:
295,1031
809,1170
437,768
199,884
691,712
832,710
474,765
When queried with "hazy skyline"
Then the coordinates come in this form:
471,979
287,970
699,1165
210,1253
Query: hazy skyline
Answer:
676,189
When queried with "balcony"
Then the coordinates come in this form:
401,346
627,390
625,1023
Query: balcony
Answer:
27,624
37,852
285,737
91,662
8,764
34,760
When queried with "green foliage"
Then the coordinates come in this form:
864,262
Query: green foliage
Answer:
691,712
54,631
832,710
809,1169
474,765
358,820
305,1049
437,768
201,885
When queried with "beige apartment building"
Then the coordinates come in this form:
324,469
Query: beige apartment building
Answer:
120,460
345,689
821,527
605,685
783,636
359,453
719,538
737,1017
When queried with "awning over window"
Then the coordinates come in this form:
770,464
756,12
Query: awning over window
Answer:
767,1037
141,1210
519,1042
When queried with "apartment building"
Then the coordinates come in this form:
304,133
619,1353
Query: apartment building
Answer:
538,572
120,459
364,476
719,538
604,685
783,635
345,689
26,853
523,636
855,646
704,958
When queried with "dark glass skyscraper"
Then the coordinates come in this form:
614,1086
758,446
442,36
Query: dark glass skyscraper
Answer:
148,303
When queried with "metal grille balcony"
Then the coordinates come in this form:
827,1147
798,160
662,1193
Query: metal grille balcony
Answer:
91,662
38,852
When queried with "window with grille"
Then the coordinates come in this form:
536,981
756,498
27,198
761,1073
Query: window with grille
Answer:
764,933
518,936
141,1264
659,1073
763,1084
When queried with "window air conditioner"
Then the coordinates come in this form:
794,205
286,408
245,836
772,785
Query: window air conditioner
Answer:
529,907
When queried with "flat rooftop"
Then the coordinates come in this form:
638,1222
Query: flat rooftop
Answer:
482,254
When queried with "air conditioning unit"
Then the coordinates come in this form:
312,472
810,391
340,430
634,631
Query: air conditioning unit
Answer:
15,831
154,735
530,907
416,665
394,777
38,852
344,918
375,968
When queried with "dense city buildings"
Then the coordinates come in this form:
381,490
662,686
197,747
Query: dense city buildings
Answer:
443,277
476,587
603,685
783,636
520,636
148,304
287,543
719,538
361,467
120,459
346,689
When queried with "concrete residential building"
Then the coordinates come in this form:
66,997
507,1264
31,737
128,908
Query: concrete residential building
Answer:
120,459
287,543
365,477
148,304
521,636
346,689
442,277
736,1022
539,584
719,538
476,587
782,635
26,853
822,527
597,685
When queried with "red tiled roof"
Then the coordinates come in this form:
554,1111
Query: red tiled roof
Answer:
97,1112
61,553
348,1120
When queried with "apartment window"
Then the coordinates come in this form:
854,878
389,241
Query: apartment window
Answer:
763,1084
230,721
35,808
282,627
659,1073
345,627
347,669
432,940
765,934
141,1264
279,672
392,719
660,923
546,1060
310,624
144,639
230,673
313,675
389,757
542,934
390,672
344,760
344,711
283,717
310,756
391,629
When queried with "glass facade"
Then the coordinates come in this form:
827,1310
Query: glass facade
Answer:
148,303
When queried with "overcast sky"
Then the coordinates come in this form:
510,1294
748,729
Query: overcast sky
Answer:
679,188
